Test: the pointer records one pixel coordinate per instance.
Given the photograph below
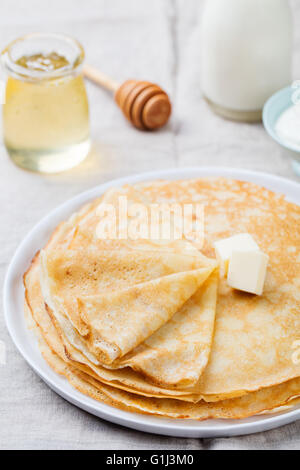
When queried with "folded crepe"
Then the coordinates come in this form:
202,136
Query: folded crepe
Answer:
120,321
69,274
178,287
157,264
91,266
177,354
62,338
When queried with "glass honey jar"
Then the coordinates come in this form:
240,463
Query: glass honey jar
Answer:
45,114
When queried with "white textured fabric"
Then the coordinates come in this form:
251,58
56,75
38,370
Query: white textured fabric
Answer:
157,40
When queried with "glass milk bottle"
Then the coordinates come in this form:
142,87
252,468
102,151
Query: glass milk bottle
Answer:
246,54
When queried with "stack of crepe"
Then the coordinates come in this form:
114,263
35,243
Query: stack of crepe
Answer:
149,326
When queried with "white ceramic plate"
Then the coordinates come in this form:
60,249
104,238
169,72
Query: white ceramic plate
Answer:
26,343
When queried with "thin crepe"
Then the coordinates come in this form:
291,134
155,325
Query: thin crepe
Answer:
87,254
55,337
120,321
85,233
69,274
66,276
241,360
192,342
64,339
269,399
178,353
254,335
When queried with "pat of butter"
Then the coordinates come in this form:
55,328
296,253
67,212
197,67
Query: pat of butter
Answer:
247,270
225,247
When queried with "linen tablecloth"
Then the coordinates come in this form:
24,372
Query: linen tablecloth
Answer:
157,40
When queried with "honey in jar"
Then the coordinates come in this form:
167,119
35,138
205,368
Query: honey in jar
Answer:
45,115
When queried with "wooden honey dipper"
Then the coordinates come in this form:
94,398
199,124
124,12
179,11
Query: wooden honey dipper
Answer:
144,104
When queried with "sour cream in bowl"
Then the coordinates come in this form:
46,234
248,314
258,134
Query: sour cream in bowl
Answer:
281,118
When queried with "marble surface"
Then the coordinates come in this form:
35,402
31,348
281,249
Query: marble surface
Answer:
159,41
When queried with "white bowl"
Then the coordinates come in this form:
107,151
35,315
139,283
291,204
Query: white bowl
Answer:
273,108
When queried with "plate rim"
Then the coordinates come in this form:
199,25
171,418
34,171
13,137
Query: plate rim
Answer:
146,423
